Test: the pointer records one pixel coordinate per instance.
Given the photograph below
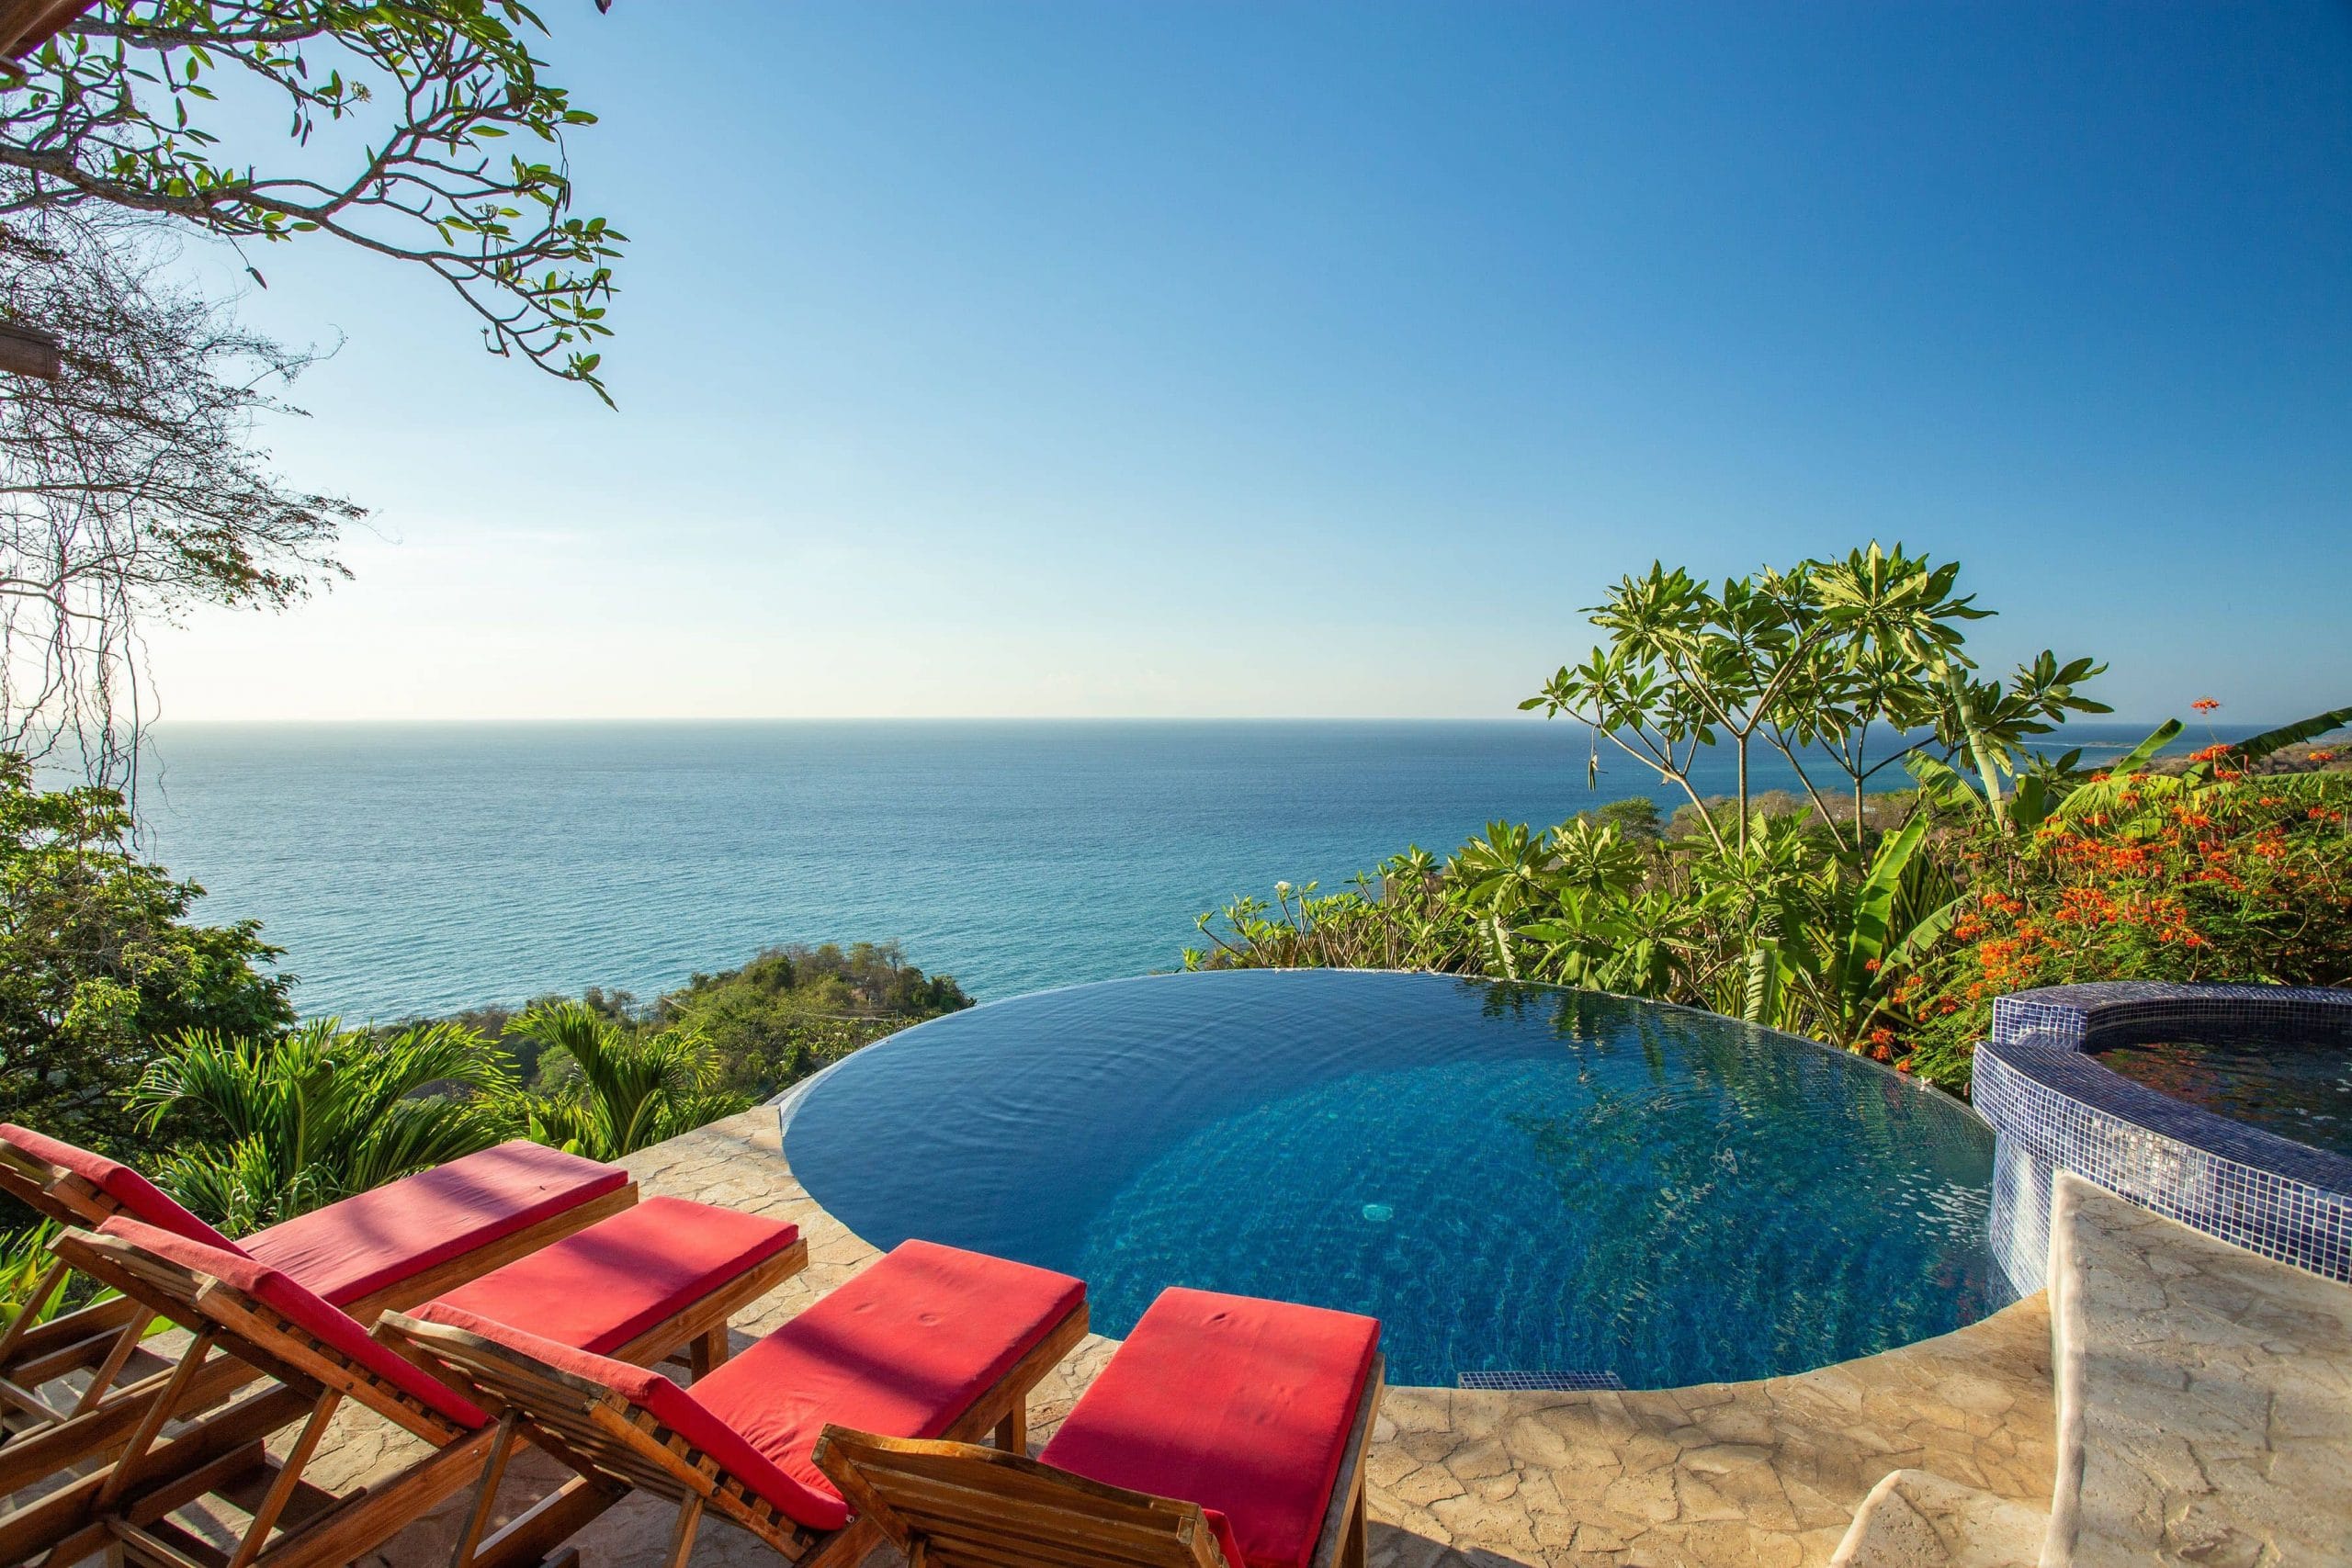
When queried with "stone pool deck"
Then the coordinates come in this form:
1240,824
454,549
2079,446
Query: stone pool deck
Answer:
1764,1473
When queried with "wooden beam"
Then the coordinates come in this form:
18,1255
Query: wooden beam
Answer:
26,25
28,352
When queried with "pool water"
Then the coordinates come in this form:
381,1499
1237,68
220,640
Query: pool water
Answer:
1512,1178
2297,1088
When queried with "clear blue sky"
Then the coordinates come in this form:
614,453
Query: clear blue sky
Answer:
1324,359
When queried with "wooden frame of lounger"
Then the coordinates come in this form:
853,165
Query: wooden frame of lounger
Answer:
104,1339
126,1504
593,1424
31,1353
949,1505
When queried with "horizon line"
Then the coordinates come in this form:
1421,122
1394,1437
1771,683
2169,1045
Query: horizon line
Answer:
1006,718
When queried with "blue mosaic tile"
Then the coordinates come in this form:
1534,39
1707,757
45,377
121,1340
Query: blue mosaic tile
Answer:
2052,1107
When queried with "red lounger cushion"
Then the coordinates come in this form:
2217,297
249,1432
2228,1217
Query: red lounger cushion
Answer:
598,1289
325,1323
1241,1405
138,1197
904,1348
377,1238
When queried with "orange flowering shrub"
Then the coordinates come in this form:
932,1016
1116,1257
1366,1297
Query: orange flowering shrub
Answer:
2235,879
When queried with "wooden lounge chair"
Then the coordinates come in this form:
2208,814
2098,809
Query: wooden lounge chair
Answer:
930,1341
1225,1432
73,1389
642,1285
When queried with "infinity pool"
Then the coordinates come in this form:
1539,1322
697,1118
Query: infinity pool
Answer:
1515,1179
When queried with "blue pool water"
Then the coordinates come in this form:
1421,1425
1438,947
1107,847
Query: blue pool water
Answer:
1512,1178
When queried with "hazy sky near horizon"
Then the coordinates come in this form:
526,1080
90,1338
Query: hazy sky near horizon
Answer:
1308,359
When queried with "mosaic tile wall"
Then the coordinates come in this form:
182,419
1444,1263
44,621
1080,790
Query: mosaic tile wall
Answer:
2054,1108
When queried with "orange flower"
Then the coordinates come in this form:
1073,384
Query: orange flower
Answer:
2206,705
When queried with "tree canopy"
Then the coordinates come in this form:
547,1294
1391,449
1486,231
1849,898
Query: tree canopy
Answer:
426,131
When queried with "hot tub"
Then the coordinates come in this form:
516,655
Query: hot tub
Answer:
2054,1105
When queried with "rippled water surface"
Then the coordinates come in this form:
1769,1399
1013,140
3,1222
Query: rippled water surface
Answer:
2299,1089
1511,1178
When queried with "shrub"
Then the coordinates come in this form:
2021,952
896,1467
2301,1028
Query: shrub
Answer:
2161,877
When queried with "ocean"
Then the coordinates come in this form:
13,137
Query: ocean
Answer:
421,868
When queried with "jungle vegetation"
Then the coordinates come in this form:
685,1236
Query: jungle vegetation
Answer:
1880,919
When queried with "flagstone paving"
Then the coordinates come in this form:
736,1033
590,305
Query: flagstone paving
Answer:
1765,1473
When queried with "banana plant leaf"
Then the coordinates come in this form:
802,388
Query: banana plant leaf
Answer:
2101,794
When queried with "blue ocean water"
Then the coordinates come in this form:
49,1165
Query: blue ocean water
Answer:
424,867
1512,1178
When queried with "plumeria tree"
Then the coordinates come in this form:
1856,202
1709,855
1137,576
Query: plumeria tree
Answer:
1819,662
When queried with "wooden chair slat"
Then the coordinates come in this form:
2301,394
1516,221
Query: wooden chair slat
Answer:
958,1498
78,1437
1045,1511
291,1524
626,1444
958,1505
953,1541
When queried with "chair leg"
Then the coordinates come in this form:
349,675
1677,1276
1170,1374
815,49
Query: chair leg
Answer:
706,1351
289,1476
128,1464
682,1540
485,1494
1012,1432
1351,1552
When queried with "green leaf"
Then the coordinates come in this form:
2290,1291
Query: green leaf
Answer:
2271,741
1942,782
2102,795
1925,935
2132,762
1874,902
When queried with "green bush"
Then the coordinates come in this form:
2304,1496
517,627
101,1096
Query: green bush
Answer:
791,1011
275,1125
98,962
2203,877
